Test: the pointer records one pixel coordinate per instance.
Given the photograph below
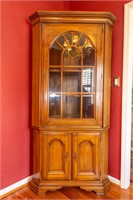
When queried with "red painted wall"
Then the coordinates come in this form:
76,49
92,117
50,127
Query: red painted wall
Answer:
117,8
16,87
16,84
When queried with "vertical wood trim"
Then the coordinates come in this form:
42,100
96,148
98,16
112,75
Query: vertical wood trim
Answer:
36,62
107,75
126,95
36,151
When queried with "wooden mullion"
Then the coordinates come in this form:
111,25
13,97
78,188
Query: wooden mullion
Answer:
72,70
57,93
72,37
81,103
61,107
71,93
71,66
65,40
55,66
89,66
88,93
78,39
54,70
59,44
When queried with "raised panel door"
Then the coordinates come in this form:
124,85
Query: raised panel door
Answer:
56,156
86,150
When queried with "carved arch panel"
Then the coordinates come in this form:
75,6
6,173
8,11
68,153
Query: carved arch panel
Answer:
56,156
86,156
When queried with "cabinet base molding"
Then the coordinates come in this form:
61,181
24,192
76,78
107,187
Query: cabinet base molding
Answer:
99,187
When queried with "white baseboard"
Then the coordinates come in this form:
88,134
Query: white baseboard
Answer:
114,180
28,179
15,186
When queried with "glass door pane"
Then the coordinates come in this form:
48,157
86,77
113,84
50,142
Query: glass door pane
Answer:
55,54
68,37
54,106
61,41
88,80
88,56
72,56
82,40
71,81
88,106
54,81
54,92
71,106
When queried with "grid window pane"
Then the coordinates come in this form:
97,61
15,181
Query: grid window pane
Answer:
71,82
71,106
54,106
88,106
88,80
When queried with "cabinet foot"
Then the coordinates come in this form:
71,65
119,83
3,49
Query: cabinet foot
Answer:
40,189
100,189
98,192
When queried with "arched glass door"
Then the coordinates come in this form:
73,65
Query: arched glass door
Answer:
72,76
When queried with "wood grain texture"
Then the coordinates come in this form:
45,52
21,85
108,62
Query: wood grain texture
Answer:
56,154
36,79
86,156
131,173
70,147
73,193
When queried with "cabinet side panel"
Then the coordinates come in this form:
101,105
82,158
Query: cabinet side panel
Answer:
107,76
104,155
36,75
36,151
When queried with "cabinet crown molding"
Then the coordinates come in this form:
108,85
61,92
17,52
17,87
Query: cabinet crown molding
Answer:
72,17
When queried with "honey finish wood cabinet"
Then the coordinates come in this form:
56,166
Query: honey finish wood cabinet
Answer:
71,73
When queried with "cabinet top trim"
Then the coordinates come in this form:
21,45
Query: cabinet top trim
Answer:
72,17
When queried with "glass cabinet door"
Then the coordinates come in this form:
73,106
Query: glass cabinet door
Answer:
72,73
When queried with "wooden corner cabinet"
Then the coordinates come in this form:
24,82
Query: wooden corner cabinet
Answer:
71,77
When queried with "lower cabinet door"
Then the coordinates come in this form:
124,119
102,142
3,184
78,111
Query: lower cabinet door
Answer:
56,156
86,151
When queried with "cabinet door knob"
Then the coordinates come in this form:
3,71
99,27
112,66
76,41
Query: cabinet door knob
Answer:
66,156
75,156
